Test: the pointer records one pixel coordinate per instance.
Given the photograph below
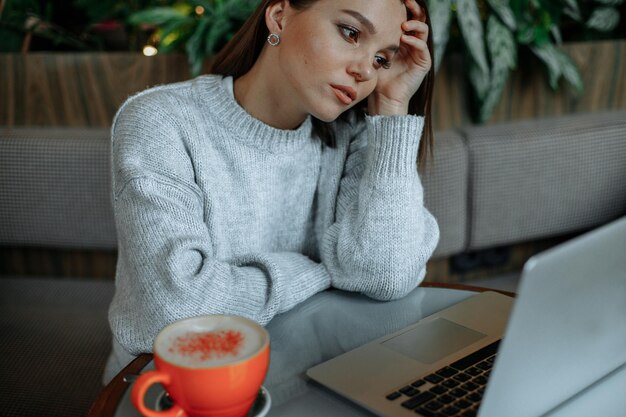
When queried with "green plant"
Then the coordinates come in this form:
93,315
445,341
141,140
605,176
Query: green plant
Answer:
21,20
492,31
77,25
198,28
113,16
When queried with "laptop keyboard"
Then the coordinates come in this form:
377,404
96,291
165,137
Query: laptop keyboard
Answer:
454,390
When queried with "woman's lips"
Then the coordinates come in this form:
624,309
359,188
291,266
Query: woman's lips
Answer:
344,93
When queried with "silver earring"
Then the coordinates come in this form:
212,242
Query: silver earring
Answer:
273,39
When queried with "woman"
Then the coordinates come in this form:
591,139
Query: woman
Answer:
250,192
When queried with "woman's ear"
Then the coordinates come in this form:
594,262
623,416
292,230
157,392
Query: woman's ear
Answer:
275,16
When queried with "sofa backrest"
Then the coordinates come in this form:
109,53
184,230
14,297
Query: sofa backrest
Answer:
54,188
487,186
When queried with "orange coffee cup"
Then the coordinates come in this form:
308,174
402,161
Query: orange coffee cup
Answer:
211,366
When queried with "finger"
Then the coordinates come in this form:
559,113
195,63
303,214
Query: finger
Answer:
415,10
418,51
416,28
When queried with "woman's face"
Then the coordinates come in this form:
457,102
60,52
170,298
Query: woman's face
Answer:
332,53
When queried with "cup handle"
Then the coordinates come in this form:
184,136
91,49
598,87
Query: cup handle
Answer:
138,393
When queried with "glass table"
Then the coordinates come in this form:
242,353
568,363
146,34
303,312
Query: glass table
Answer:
326,325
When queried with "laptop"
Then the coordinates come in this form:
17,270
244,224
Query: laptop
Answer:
563,336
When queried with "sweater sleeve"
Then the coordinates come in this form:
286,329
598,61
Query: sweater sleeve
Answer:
383,235
167,269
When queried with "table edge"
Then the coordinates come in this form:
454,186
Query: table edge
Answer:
108,400
464,287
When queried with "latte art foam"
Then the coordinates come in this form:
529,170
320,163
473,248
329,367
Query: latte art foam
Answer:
202,342
208,345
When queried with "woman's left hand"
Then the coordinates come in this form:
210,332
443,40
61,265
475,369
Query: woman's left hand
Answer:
409,67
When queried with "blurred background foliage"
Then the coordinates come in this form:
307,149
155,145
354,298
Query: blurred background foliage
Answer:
493,36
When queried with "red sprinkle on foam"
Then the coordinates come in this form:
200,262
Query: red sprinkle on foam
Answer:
208,345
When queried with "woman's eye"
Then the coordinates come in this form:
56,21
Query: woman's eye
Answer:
382,62
350,33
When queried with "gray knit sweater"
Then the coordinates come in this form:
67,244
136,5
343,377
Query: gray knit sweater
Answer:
217,212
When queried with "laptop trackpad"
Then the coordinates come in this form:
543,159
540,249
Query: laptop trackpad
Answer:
434,340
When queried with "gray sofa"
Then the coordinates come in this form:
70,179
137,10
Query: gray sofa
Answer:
488,185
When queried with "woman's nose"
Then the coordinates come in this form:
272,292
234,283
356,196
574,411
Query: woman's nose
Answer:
361,70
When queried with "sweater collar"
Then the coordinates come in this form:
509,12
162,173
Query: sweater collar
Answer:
216,97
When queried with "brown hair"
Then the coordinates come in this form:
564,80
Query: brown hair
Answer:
241,52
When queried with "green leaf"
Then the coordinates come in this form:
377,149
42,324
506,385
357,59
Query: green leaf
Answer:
570,71
440,13
572,10
202,3
556,34
479,80
503,54
172,27
156,16
502,9
499,76
603,19
548,54
501,44
217,32
540,35
526,34
240,10
472,31
610,2
194,47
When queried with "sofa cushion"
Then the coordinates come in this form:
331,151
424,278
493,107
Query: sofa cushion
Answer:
56,188
54,346
445,191
542,178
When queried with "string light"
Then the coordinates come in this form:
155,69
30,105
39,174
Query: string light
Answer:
199,10
149,50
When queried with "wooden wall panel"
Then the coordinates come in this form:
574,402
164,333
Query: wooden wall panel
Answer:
60,89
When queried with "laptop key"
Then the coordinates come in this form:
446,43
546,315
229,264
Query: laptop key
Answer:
474,371
433,378
409,391
394,395
462,404
438,389
450,383
450,411
446,399
469,386
447,372
433,405
418,400
427,413
476,397
418,383
476,357
458,392
480,380
462,377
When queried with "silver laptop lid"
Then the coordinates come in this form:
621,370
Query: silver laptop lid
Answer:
568,325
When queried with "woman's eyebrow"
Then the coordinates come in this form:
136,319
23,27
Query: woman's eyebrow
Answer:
369,26
362,19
